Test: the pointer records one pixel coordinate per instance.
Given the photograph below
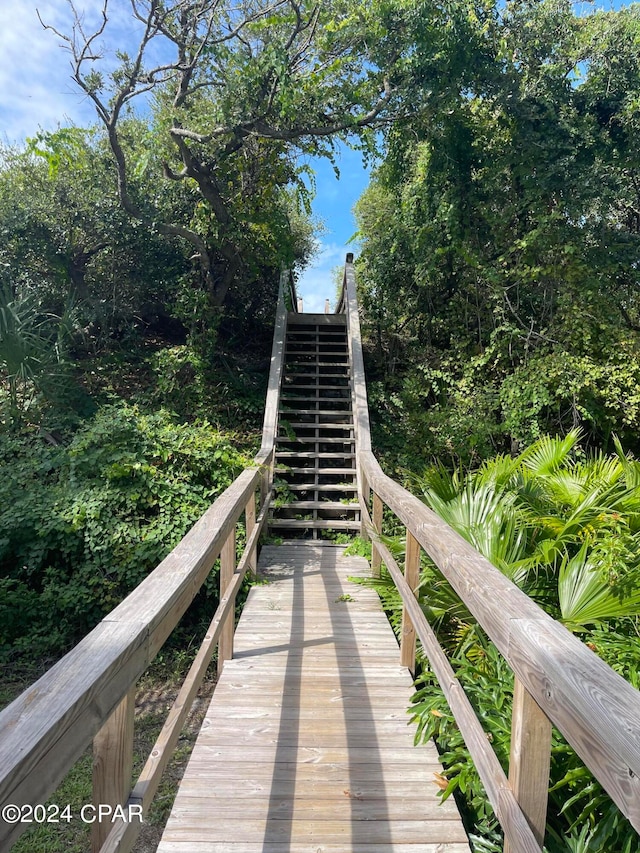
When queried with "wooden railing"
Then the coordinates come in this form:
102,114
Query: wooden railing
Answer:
558,680
90,693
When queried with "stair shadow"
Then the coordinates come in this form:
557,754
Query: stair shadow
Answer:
363,763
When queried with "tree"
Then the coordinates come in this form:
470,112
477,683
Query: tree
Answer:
508,251
232,89
65,236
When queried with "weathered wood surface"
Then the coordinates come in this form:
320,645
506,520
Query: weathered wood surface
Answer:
306,745
530,761
313,846
112,764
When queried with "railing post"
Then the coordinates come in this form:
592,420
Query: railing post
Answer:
267,476
112,766
530,760
250,523
227,568
364,497
412,576
376,559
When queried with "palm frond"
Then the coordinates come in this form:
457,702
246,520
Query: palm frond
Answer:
547,454
586,598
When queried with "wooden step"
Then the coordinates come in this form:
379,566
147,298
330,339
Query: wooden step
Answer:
289,364
326,505
336,320
321,487
302,383
315,351
318,425
334,412
315,523
311,439
287,397
301,373
286,416
309,454
321,472
332,329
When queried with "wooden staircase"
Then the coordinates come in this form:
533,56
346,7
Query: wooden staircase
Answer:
298,753
315,474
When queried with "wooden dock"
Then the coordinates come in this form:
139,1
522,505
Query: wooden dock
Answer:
306,746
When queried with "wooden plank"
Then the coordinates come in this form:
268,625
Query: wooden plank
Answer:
219,786
342,805
270,422
250,523
309,773
112,765
308,319
377,526
530,761
320,831
321,748
412,577
227,568
310,846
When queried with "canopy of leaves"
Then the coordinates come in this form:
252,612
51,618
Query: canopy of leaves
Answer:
500,235
235,91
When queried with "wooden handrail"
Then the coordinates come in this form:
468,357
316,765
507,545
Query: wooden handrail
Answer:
88,693
559,680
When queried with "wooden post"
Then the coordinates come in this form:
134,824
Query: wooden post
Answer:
530,761
412,576
227,568
366,491
266,480
250,523
112,766
376,560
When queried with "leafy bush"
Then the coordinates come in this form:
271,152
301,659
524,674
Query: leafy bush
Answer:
189,384
82,525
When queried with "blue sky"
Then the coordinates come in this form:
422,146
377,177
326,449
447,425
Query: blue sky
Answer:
36,91
333,205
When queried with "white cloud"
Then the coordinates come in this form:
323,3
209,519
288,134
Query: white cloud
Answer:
36,89
317,281
35,73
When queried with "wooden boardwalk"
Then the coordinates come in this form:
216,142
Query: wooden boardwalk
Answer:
305,747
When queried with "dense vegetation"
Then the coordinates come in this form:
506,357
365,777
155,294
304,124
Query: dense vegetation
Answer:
499,279
500,235
563,527
499,271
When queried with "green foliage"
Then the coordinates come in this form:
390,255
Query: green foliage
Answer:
564,526
488,682
65,239
231,390
82,525
358,547
498,269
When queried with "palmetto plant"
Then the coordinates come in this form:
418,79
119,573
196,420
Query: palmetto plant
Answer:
31,345
561,526
566,528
